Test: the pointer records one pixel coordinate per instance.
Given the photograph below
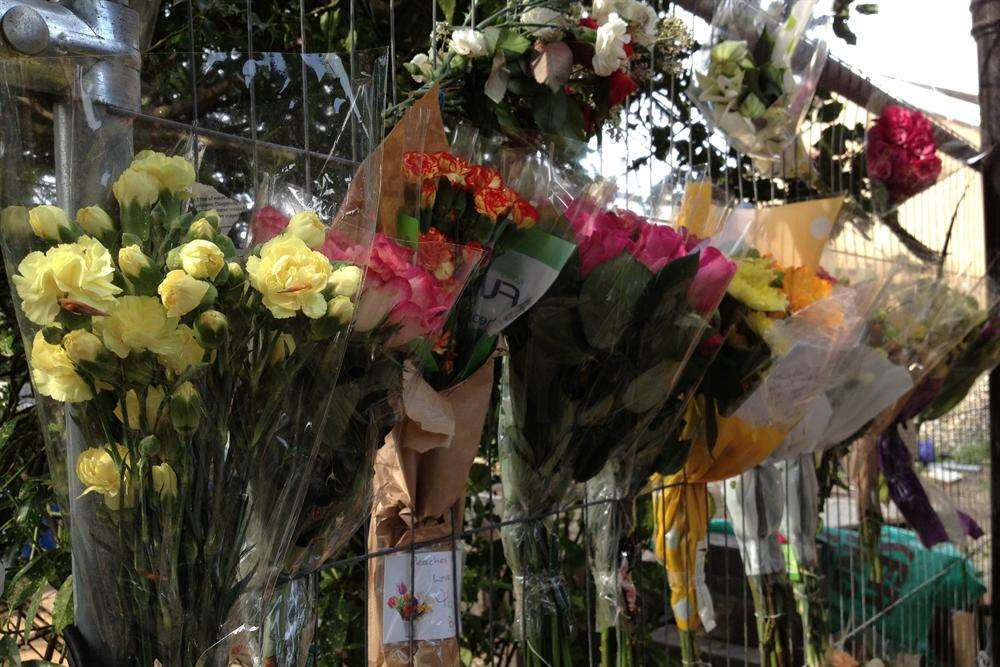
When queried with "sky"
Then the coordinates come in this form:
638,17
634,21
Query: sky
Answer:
925,42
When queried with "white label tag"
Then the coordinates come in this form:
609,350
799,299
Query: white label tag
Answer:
513,284
205,197
420,606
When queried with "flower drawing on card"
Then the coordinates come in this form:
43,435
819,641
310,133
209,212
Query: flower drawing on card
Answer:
407,605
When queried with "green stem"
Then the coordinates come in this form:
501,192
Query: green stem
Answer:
606,647
689,650
810,601
772,601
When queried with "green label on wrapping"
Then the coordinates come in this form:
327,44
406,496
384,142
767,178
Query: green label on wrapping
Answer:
407,227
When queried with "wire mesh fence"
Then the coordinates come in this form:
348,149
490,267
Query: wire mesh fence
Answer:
918,614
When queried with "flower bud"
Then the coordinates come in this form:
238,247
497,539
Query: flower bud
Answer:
95,221
82,346
211,329
150,445
202,259
307,226
164,480
345,281
235,272
185,408
132,260
283,348
340,309
136,187
201,229
14,222
49,222
174,258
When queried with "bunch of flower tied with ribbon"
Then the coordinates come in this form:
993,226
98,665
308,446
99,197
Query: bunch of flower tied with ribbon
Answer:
901,155
589,370
540,67
779,326
755,78
197,391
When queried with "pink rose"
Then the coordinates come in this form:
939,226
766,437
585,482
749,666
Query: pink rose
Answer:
901,153
267,223
657,246
715,271
603,244
600,234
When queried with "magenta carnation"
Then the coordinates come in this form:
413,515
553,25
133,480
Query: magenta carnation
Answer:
901,153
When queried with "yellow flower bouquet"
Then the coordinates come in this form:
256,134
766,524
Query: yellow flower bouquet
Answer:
196,387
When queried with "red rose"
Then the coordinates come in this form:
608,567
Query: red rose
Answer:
620,86
901,153
587,23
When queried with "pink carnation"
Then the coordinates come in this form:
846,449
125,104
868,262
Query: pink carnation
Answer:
267,223
901,153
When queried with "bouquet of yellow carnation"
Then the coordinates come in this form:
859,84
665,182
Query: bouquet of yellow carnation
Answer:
196,387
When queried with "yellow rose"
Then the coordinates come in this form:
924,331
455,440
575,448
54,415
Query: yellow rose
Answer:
187,351
94,220
100,473
345,281
54,373
154,399
164,480
202,229
290,277
753,285
136,187
181,293
172,173
48,221
202,259
341,309
138,323
132,260
77,274
81,345
307,226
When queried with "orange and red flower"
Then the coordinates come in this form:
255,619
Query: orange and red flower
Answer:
523,213
452,167
494,202
428,190
435,253
420,164
480,177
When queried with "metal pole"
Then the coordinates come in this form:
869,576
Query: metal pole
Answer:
986,30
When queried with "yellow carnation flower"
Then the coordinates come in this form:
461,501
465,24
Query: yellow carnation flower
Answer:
94,220
181,293
135,186
187,351
132,260
48,221
54,373
164,480
137,323
346,280
752,285
172,173
81,345
307,226
99,473
290,277
202,259
79,274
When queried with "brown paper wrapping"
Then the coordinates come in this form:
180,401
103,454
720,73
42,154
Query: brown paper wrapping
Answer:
421,128
419,490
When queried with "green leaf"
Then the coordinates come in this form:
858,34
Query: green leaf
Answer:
32,611
549,111
554,333
513,43
752,107
651,387
62,606
608,298
867,8
9,652
448,8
